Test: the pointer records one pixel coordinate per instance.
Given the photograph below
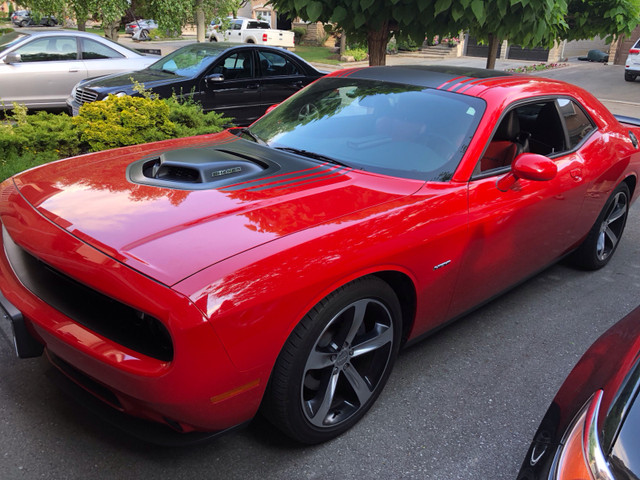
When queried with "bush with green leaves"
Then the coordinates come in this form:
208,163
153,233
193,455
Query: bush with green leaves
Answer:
28,140
358,54
121,121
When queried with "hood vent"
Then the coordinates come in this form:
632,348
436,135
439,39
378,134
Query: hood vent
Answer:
197,169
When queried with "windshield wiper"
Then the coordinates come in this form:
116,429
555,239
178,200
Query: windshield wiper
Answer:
251,135
316,156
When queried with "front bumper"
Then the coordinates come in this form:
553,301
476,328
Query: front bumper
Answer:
197,389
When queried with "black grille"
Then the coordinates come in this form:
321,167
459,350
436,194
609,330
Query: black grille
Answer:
102,314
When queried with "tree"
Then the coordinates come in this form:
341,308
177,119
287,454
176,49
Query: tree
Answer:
174,14
589,18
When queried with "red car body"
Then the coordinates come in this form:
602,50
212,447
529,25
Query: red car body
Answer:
229,272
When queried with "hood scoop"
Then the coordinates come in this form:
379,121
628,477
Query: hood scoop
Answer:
197,169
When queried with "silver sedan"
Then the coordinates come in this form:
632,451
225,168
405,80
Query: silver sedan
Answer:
39,69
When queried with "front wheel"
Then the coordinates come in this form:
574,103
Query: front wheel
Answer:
336,362
602,240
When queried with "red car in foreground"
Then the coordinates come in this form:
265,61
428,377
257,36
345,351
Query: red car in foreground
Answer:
281,267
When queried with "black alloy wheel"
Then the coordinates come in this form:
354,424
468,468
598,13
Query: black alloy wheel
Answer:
604,237
336,362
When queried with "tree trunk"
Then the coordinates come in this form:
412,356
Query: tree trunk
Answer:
494,42
82,25
200,26
377,42
111,30
343,42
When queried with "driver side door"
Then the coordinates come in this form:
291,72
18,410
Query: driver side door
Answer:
517,232
231,87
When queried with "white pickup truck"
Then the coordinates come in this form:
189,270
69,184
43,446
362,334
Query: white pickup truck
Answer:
250,30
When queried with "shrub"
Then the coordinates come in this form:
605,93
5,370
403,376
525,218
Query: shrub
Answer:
121,121
299,33
358,54
30,140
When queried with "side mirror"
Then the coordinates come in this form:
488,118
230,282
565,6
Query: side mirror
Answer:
12,58
529,166
214,78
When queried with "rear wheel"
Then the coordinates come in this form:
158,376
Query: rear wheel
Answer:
144,35
24,23
604,237
336,362
629,77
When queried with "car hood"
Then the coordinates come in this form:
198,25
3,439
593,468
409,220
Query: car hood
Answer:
126,81
173,208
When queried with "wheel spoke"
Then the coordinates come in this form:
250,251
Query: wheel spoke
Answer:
382,336
358,383
618,212
318,360
613,238
358,318
317,417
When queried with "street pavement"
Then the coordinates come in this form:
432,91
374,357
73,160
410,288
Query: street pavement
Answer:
462,404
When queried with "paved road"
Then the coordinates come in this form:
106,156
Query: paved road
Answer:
463,404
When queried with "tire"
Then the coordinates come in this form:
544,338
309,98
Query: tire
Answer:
24,23
604,237
328,373
212,38
144,35
629,77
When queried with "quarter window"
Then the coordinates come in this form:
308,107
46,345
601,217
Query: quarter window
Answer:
274,65
578,124
94,50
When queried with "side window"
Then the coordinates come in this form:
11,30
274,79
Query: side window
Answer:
93,50
579,125
535,127
274,64
236,66
237,25
49,50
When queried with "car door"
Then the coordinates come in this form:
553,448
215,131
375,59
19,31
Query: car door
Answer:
515,233
48,69
99,59
280,77
231,87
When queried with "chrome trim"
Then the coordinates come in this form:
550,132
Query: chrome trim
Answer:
591,441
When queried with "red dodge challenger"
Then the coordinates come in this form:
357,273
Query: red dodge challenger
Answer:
190,283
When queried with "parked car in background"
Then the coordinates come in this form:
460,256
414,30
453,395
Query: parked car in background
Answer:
632,65
240,81
139,29
592,428
39,69
23,18
250,30
282,266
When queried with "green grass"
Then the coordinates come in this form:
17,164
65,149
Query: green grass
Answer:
316,54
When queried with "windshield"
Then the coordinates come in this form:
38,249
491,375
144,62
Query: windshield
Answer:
393,129
10,39
190,60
